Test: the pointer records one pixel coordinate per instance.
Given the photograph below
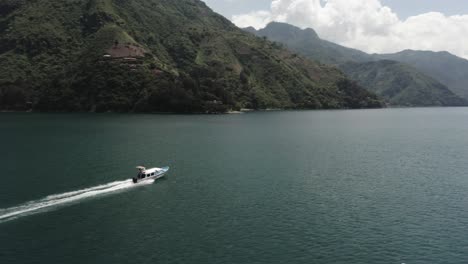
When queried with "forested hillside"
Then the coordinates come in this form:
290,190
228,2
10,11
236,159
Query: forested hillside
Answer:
153,55
407,81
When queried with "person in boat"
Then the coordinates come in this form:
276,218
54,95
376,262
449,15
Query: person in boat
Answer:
140,172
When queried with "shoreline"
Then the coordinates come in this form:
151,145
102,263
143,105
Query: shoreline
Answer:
233,112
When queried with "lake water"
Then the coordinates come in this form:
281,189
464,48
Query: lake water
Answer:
370,186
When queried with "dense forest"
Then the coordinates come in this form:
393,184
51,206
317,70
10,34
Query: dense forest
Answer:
153,56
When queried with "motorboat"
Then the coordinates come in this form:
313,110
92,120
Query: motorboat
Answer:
145,174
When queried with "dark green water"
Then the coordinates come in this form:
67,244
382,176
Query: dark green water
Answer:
373,186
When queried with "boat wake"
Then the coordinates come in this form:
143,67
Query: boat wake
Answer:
55,201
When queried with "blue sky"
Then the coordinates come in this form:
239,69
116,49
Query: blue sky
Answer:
404,8
374,26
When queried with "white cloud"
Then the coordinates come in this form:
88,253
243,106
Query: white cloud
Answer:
258,19
367,25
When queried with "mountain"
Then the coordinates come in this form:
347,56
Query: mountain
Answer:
153,55
447,68
401,84
308,43
422,90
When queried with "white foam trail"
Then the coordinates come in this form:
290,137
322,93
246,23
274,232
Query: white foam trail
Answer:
57,200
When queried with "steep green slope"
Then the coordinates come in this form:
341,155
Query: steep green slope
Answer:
152,55
447,68
401,84
423,90
309,44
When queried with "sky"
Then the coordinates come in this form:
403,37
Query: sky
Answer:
374,26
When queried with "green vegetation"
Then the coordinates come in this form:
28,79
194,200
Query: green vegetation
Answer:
450,70
53,58
401,84
397,82
307,43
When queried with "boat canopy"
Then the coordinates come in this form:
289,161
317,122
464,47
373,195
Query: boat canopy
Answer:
141,168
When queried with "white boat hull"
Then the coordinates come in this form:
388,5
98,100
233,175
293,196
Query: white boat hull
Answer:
158,173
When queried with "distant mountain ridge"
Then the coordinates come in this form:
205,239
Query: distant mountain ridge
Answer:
153,56
308,43
401,84
447,68
419,87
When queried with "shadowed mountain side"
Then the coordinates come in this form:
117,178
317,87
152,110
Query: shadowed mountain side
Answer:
401,84
443,66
